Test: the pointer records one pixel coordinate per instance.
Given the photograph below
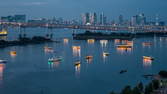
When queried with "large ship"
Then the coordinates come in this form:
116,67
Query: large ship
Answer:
3,32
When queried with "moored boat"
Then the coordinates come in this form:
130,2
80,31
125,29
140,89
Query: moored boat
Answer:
148,57
55,59
106,54
13,53
3,61
78,63
124,46
3,32
89,57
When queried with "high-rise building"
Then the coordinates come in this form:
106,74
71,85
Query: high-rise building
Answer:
121,20
139,20
134,21
86,18
93,18
103,19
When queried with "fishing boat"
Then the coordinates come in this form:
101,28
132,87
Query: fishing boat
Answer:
55,59
3,32
148,58
106,54
3,61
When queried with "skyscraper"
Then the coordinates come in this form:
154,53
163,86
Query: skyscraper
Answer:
85,18
121,20
93,18
101,18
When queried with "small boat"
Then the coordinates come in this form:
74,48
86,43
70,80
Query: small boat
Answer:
122,71
91,41
3,32
124,46
106,54
76,47
48,49
57,59
147,43
3,61
78,63
148,58
89,57
13,53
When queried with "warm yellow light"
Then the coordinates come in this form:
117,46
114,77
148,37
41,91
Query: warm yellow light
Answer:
66,40
91,41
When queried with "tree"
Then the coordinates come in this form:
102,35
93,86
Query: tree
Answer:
127,90
163,74
156,84
112,92
140,86
136,90
149,89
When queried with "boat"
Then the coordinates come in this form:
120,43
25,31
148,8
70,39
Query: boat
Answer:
148,58
106,54
89,57
3,32
48,49
3,61
147,43
122,71
90,41
13,53
78,63
124,46
55,59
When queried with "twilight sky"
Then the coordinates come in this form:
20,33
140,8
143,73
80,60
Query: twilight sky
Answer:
73,8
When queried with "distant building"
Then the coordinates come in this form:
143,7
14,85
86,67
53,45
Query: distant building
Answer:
15,18
121,20
138,20
93,18
103,19
141,19
20,18
134,21
85,18
38,21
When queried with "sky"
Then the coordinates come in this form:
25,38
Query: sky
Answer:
72,9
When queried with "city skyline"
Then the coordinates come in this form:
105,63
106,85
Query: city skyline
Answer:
112,8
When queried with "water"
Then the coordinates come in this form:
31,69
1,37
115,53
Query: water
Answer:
30,73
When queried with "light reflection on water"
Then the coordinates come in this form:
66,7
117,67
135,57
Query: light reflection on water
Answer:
2,67
147,63
99,71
